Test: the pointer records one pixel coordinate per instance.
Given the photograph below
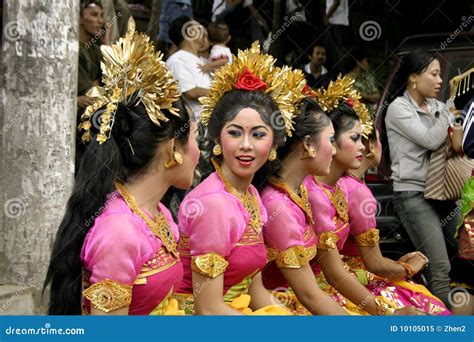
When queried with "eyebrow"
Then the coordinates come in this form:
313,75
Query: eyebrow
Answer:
253,128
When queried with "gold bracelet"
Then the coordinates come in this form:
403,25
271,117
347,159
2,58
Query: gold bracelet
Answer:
410,271
384,306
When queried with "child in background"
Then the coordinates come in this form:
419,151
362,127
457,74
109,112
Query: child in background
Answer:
220,54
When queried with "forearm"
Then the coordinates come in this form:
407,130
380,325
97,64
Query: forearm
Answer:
196,93
387,268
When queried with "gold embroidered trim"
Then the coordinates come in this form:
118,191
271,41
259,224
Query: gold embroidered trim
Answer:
271,253
144,274
108,295
369,238
211,264
161,228
338,200
327,240
295,257
301,201
384,306
249,201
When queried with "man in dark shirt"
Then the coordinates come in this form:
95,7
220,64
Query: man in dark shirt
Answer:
91,35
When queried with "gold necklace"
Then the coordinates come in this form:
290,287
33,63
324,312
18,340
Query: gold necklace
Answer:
161,228
300,201
248,200
337,199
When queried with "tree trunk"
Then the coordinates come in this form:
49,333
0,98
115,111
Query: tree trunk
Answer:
40,66
153,24
276,47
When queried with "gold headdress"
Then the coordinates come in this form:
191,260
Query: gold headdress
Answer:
342,91
462,84
132,72
252,70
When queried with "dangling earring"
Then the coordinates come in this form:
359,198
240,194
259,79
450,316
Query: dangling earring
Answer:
217,150
273,155
414,85
308,154
371,154
177,159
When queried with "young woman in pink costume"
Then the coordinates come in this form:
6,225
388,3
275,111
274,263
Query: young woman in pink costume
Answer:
115,251
221,220
362,251
329,205
289,236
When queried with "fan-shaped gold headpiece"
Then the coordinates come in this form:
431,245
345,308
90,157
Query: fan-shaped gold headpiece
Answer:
284,85
132,72
340,91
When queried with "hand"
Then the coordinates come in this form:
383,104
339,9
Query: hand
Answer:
326,20
205,68
408,311
416,260
84,101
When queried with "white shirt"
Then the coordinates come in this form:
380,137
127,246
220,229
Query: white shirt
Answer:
219,51
184,67
341,14
218,6
307,69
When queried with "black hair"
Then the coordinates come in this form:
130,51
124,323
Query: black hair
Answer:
310,122
356,56
317,43
343,118
218,32
175,31
129,150
233,102
88,3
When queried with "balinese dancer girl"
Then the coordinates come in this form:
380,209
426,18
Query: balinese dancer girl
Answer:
117,244
329,206
362,251
289,236
250,105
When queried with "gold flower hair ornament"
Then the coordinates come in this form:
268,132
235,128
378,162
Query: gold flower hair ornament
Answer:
254,71
340,91
132,72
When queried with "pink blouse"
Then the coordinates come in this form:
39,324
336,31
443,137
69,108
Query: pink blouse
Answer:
121,247
324,213
362,208
212,220
287,227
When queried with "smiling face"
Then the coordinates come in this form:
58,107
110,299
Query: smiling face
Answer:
325,150
246,144
349,148
428,83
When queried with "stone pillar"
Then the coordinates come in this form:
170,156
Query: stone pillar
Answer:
37,126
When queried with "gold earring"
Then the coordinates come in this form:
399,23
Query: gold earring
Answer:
217,150
371,154
177,159
414,85
273,155
311,153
